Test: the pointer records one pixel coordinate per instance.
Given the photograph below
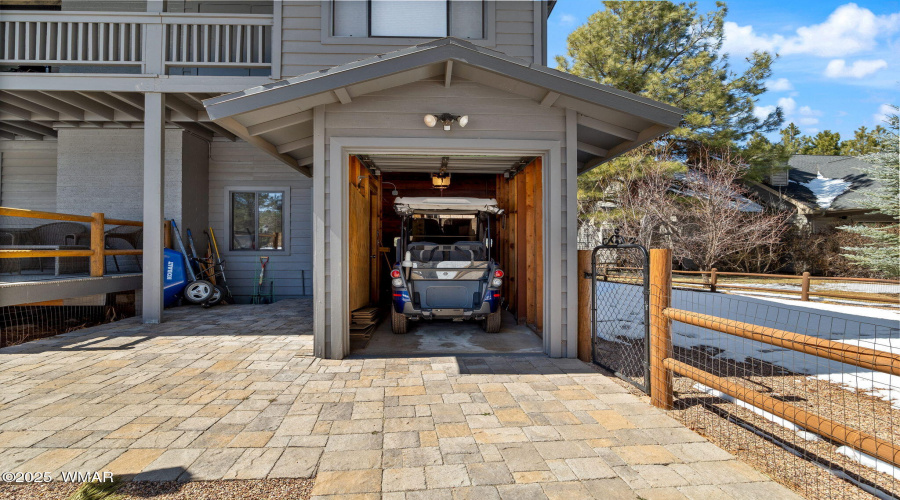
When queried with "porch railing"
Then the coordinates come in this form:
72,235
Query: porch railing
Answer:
97,250
153,41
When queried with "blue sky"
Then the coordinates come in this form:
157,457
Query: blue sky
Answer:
838,66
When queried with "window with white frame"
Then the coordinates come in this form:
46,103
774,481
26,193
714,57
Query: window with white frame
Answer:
408,18
257,220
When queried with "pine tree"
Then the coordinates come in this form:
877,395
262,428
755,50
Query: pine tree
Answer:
864,141
825,143
882,253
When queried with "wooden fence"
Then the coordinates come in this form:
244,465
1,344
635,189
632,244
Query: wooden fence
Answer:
712,281
97,250
663,365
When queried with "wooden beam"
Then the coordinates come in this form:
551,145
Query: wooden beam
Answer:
7,135
646,135
181,107
82,102
34,127
549,99
30,106
61,107
448,73
14,110
284,121
342,95
295,145
219,130
196,129
594,150
134,100
241,131
21,131
116,104
609,128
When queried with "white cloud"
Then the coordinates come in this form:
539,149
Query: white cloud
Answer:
807,121
787,105
848,30
566,20
883,111
779,85
838,68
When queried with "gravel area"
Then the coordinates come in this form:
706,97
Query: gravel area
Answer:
261,489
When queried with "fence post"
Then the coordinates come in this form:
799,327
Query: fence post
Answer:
584,306
804,291
97,244
660,327
713,278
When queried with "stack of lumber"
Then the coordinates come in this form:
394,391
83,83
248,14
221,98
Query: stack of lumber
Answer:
363,322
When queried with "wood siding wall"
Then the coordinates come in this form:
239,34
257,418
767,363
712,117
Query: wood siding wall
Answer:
238,164
303,50
28,177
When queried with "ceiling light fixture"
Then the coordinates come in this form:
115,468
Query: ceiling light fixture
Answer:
446,119
441,180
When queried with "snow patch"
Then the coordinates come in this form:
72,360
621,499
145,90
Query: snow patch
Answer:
826,190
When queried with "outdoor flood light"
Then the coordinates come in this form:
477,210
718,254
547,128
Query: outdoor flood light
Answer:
446,120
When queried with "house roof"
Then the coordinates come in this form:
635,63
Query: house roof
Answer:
828,182
610,122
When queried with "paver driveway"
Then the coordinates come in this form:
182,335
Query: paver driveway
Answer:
233,392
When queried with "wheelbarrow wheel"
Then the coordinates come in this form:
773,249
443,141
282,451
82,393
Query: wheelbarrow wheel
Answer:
217,296
198,292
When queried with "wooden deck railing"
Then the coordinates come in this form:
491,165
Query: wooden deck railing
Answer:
663,365
711,281
97,250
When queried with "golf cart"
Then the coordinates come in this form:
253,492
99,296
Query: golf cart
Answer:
443,266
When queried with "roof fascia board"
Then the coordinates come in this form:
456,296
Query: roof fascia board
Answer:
441,51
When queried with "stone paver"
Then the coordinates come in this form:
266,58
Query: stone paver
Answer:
234,393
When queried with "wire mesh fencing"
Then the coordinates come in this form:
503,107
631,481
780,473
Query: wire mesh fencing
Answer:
24,323
808,396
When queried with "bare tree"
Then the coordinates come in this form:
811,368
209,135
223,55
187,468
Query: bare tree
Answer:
702,214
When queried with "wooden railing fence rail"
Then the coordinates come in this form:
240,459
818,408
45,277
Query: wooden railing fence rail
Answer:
97,250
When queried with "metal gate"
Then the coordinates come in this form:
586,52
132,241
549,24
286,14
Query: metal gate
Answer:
620,310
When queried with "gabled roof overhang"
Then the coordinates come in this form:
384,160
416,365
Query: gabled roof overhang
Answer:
610,121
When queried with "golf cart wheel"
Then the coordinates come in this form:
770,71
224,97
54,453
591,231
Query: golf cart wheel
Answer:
217,296
491,324
198,292
399,322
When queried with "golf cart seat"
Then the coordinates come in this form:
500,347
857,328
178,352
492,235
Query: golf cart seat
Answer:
478,250
421,250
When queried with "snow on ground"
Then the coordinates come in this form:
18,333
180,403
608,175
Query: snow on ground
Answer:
621,315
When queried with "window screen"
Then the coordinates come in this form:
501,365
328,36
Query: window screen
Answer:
414,18
257,220
351,18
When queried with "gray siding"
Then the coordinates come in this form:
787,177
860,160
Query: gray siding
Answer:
102,171
28,175
493,114
238,164
303,50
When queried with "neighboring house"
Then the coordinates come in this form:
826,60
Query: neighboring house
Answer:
825,191
276,123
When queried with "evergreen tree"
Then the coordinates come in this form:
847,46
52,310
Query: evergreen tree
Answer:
864,142
791,137
826,143
669,52
883,251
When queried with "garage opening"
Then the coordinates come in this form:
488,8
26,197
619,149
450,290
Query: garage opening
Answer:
512,240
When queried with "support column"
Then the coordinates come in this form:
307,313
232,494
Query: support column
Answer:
154,194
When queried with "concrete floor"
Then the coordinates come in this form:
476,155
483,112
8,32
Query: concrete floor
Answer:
427,338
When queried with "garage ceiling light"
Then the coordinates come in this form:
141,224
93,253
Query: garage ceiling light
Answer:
446,119
441,180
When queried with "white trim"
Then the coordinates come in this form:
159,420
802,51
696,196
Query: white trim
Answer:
111,82
277,38
571,235
489,40
286,220
320,340
338,163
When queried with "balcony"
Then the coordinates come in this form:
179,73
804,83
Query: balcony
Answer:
137,43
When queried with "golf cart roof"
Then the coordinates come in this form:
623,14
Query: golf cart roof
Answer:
445,205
